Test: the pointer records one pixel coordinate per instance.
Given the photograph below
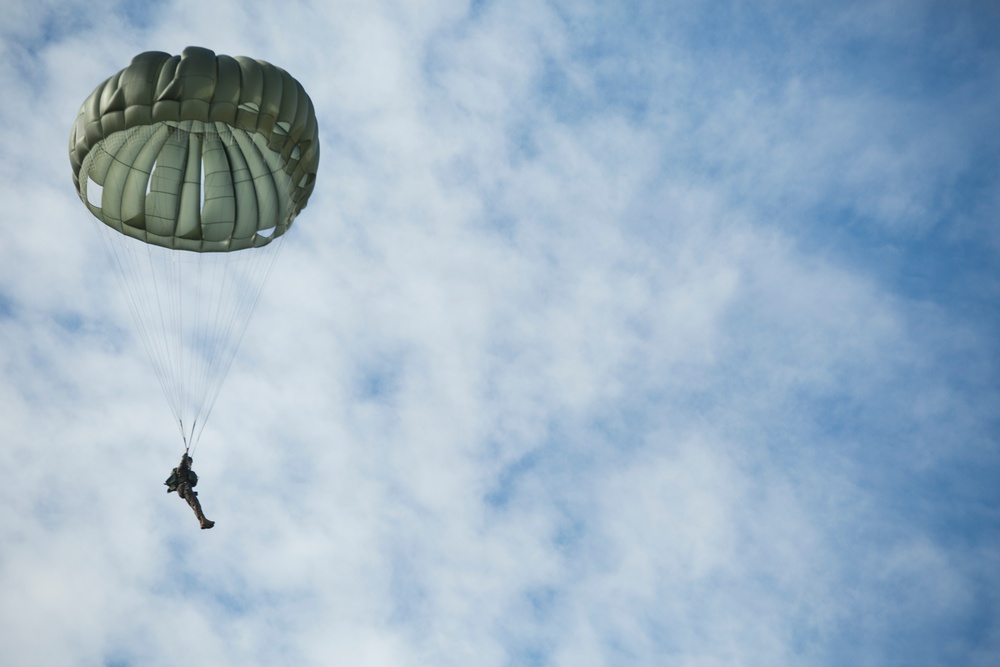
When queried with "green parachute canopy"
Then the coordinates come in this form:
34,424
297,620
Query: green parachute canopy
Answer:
195,165
196,152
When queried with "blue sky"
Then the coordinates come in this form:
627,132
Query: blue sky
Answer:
642,333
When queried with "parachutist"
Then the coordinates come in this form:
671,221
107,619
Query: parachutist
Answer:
183,480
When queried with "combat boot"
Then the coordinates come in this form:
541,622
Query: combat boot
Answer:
205,523
192,499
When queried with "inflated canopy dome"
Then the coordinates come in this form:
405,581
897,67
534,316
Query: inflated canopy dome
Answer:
196,152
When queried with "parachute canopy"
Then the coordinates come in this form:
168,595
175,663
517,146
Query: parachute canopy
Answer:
195,165
196,152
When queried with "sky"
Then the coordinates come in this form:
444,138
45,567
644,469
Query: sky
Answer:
641,333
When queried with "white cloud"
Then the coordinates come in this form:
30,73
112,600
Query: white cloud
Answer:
550,371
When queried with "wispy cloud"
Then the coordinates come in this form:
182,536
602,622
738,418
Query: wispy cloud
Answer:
651,334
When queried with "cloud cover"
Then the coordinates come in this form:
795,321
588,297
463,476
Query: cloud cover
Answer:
658,334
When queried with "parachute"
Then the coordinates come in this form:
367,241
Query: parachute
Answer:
194,167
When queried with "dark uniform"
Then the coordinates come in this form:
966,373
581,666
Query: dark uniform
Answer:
183,480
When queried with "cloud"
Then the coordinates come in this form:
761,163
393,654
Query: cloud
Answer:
610,336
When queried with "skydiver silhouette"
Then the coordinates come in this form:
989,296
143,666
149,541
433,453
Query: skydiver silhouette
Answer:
183,480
